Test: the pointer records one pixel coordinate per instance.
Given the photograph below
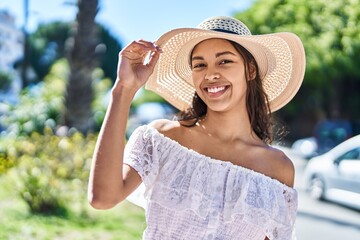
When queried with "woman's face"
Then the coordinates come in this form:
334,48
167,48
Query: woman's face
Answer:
218,73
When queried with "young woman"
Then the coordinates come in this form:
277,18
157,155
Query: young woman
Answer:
211,174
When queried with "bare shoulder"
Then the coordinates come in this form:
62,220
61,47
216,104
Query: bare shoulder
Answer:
165,126
171,129
282,167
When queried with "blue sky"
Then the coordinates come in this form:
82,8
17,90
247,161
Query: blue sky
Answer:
129,19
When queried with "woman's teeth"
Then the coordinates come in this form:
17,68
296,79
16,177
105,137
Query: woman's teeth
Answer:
215,89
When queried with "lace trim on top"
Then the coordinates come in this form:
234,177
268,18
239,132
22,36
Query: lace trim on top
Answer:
217,191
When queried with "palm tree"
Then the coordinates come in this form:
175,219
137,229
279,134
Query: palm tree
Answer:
82,60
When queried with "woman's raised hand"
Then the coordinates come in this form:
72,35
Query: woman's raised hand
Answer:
108,185
136,63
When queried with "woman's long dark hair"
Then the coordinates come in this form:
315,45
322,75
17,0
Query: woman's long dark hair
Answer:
257,104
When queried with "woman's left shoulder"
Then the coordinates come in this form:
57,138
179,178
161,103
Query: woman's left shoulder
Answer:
282,166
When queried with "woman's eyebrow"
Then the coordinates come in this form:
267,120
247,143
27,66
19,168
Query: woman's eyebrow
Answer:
216,55
197,58
224,53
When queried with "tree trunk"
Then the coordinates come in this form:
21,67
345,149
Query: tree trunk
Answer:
82,60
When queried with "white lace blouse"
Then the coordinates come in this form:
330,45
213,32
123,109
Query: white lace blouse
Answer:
191,196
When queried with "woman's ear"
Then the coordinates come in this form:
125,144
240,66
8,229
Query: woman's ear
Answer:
251,71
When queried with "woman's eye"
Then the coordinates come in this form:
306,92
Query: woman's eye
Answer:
198,65
225,61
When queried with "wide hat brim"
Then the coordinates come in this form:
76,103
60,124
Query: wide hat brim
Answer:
280,57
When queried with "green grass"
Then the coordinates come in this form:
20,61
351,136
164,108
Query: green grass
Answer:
124,222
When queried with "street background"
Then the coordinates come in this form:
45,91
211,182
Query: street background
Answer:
317,220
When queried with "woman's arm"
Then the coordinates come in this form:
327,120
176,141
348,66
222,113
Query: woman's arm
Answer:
110,181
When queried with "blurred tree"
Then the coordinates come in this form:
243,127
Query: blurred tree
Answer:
82,60
48,44
5,80
108,58
331,36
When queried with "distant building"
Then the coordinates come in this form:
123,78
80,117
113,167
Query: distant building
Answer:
11,41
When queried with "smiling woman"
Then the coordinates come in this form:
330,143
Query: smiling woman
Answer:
215,177
218,75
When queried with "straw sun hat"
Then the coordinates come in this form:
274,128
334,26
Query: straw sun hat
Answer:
280,57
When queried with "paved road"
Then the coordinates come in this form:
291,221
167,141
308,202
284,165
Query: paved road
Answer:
318,220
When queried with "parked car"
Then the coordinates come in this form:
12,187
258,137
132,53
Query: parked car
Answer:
335,175
305,147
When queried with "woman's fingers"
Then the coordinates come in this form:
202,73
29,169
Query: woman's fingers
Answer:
139,49
151,46
154,56
137,61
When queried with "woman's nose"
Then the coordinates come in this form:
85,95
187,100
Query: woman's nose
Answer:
212,75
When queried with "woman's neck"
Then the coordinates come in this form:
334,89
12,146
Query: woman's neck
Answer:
228,126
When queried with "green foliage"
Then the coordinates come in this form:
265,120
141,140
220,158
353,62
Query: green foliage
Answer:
108,59
39,106
52,171
125,221
5,80
50,42
101,88
328,29
331,37
44,196
7,154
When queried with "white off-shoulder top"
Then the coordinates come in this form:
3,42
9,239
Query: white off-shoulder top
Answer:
191,196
